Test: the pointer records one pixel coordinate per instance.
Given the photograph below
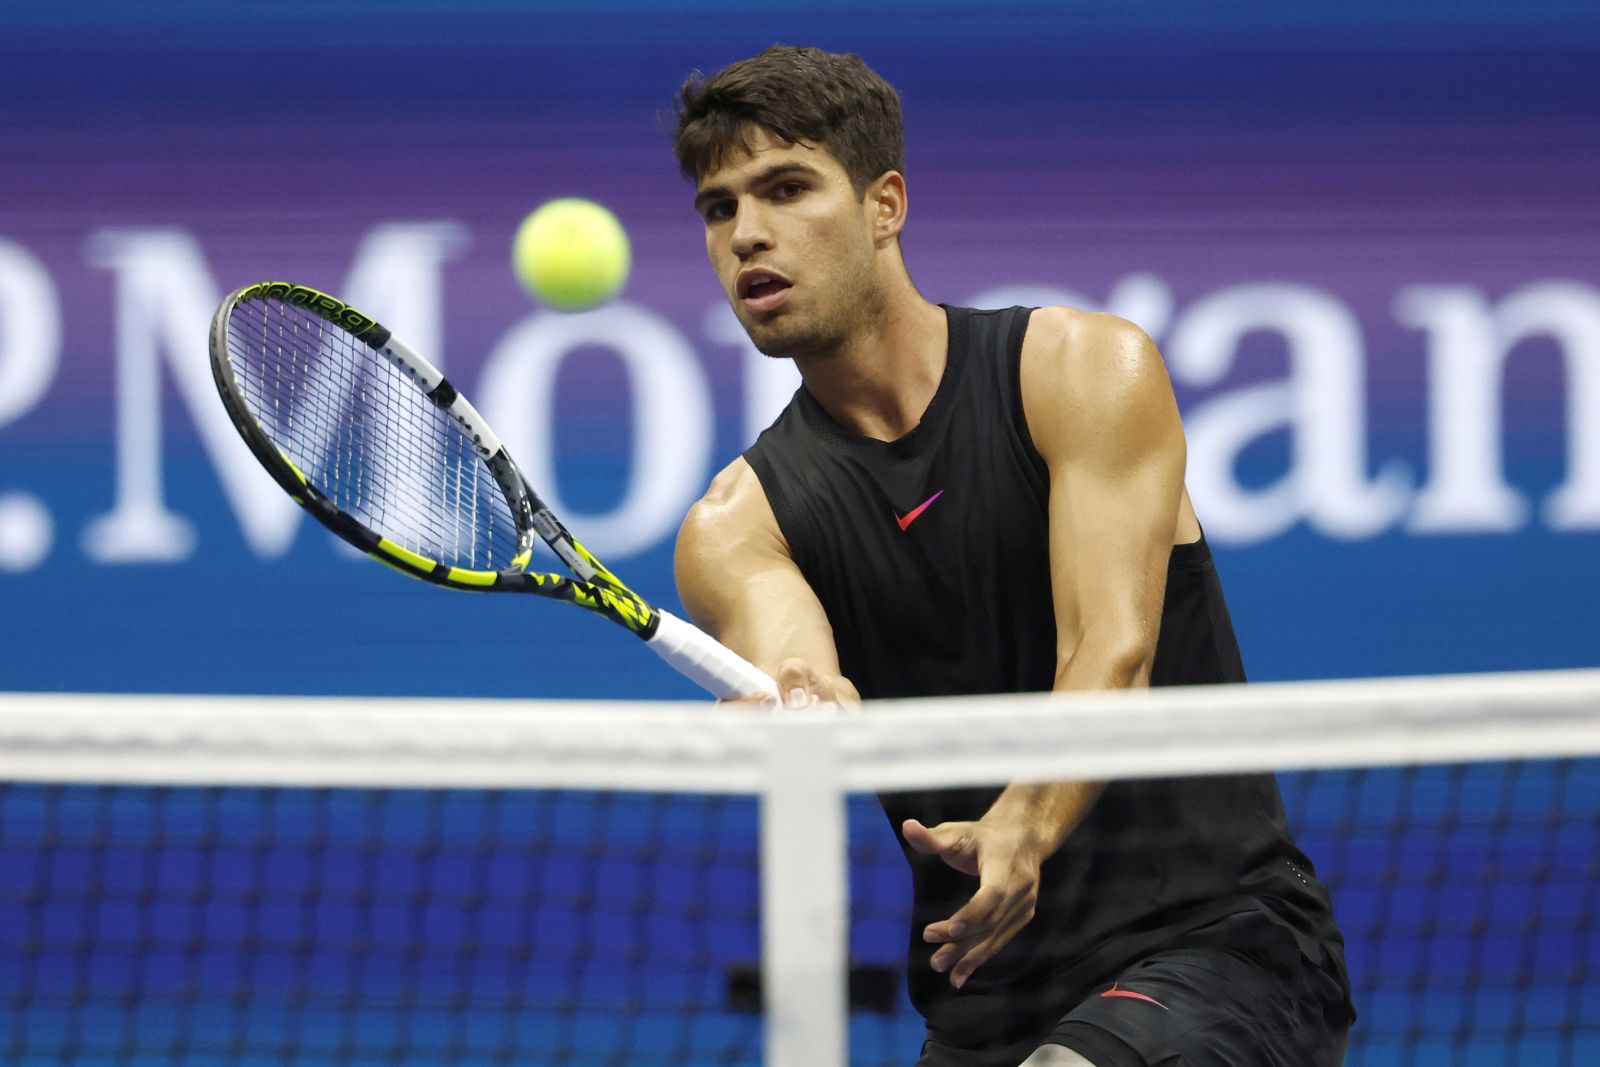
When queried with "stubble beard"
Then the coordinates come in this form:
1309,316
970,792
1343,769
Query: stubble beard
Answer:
853,303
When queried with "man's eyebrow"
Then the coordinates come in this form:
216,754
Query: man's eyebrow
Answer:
772,173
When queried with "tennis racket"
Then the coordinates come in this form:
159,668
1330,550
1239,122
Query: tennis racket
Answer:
375,443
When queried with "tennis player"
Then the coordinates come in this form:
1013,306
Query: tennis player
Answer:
963,501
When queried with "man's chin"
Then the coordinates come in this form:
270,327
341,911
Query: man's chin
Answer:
774,336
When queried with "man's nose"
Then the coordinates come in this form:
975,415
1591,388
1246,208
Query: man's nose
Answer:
751,234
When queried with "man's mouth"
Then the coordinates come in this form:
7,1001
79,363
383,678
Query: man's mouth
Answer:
762,290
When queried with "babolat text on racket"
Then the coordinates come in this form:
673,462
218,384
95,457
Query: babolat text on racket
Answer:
373,441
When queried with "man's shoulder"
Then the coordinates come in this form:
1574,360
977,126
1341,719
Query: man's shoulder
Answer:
1085,374
1068,351
729,493
1075,334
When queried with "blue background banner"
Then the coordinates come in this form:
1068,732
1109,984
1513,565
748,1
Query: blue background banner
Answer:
1362,234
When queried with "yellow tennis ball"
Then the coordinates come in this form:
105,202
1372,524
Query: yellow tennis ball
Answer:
571,253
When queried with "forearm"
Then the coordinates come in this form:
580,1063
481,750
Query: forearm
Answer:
739,583
1103,660
1044,814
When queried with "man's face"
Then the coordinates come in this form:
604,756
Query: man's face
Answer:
791,244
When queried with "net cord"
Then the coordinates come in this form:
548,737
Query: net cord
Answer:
802,764
701,748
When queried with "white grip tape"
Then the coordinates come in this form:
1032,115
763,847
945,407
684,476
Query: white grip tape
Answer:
698,657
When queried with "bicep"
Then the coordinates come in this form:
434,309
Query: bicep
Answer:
739,583
1104,418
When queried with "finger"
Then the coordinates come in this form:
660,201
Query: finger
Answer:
949,955
968,956
762,700
920,837
961,958
987,909
940,932
947,837
799,682
821,688
953,842
982,952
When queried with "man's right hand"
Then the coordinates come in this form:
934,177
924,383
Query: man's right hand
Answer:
802,686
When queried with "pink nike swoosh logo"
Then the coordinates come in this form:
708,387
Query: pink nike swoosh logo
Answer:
911,516
1131,995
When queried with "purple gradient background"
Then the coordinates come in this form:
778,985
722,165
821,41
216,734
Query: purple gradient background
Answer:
1355,148
1356,151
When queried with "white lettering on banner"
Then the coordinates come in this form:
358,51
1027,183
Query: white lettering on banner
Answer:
165,299
30,350
1569,312
1321,403
27,532
672,417
30,331
394,277
1468,343
165,294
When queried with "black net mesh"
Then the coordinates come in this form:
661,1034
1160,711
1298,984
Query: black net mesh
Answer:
187,926
204,926
367,437
1466,895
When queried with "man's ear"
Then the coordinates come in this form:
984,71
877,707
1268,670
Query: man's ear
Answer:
885,205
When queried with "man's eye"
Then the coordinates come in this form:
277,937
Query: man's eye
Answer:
719,211
790,190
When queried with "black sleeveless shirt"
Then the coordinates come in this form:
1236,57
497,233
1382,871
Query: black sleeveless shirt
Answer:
930,555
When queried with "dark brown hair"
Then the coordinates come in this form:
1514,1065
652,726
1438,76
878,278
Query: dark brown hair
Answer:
800,95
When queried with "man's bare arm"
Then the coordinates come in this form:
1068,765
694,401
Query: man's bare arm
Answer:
1102,415
740,584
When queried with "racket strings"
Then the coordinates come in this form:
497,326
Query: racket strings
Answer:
366,437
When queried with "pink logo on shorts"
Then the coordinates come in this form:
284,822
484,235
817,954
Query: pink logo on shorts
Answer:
1131,995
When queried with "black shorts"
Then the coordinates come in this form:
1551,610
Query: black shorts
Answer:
1194,1006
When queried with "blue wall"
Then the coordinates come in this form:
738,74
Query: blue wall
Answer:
1402,179
1363,234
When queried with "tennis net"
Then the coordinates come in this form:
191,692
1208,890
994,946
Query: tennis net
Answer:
188,880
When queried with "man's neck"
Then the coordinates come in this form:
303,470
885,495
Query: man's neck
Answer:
879,383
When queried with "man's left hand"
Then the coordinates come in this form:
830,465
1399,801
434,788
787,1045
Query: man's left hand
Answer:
1006,860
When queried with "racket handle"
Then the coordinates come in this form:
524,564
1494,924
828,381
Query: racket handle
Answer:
697,656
